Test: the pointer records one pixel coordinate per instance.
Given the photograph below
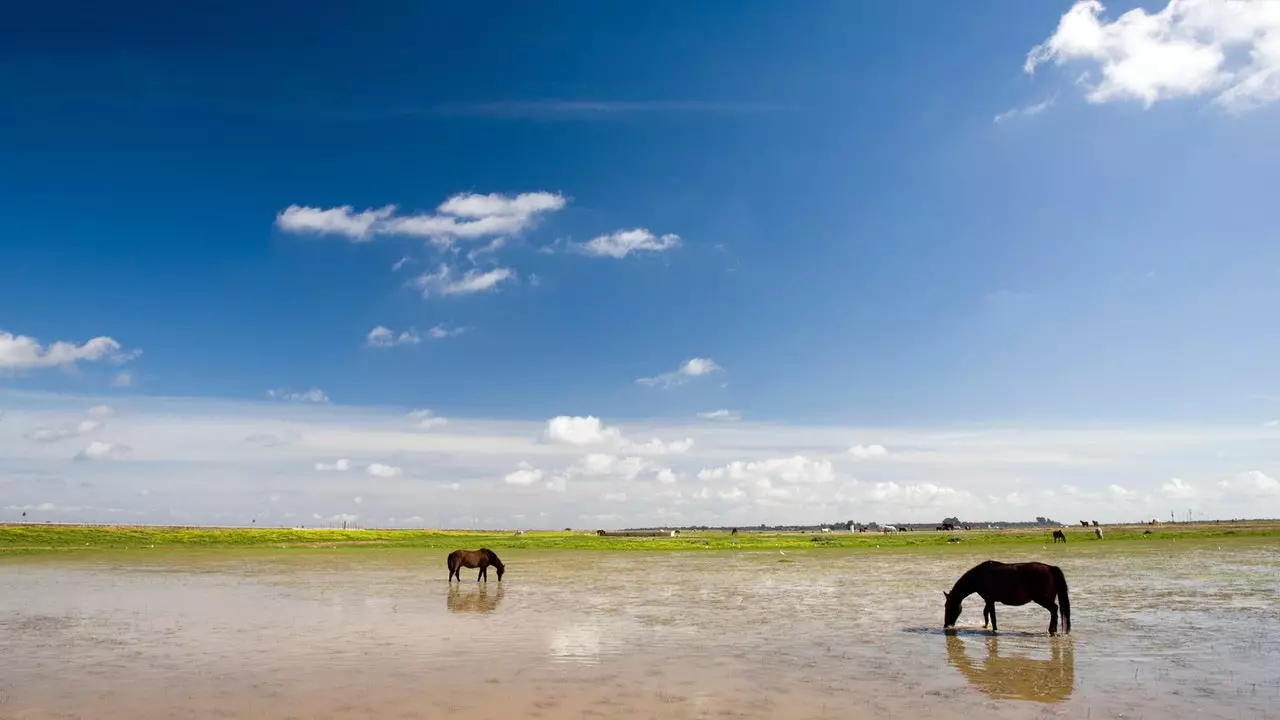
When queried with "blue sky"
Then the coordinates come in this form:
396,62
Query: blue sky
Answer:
856,222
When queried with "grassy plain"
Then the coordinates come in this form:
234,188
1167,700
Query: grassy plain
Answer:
45,538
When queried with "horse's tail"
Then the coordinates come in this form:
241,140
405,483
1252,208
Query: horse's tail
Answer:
1064,599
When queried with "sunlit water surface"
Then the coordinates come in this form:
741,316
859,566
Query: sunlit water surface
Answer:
1160,630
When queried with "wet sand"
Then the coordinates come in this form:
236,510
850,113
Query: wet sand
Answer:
1159,630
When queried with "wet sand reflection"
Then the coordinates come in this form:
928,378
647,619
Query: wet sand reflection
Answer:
473,599
1014,675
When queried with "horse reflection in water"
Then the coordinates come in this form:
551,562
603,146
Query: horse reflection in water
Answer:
474,598
1017,677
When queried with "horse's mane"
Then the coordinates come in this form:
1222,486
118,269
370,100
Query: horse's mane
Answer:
493,556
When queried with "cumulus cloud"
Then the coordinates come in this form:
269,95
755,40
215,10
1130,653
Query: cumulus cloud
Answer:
865,452
916,495
122,379
46,434
98,450
64,431
463,216
625,242
442,331
795,470
692,368
20,352
445,281
1121,493
426,420
377,469
384,337
342,220
574,430
342,465
1229,49
1251,484
314,395
1176,489
524,474
720,415
749,470
591,431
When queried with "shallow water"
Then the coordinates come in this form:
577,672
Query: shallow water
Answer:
1158,630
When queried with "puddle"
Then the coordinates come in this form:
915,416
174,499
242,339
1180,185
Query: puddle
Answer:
1166,632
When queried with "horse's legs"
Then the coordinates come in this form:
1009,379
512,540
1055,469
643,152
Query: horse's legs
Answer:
989,615
1052,607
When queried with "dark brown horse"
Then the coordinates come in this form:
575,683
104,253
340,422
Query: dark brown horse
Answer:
482,558
1059,535
1011,584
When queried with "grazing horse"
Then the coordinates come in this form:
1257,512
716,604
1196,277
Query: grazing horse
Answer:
1084,523
1059,535
1011,584
482,558
734,531
886,529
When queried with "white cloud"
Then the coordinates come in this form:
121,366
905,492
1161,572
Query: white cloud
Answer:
426,420
339,465
602,464
591,431
916,495
122,379
377,469
624,242
1251,484
343,220
45,434
720,415
442,331
615,497
1120,493
358,499
1271,423
581,431
693,368
444,282
20,352
194,456
98,450
866,452
64,431
795,470
1227,48
524,474
99,412
464,216
1026,111
384,337
314,395
1176,489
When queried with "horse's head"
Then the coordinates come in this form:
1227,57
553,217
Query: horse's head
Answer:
501,569
951,612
